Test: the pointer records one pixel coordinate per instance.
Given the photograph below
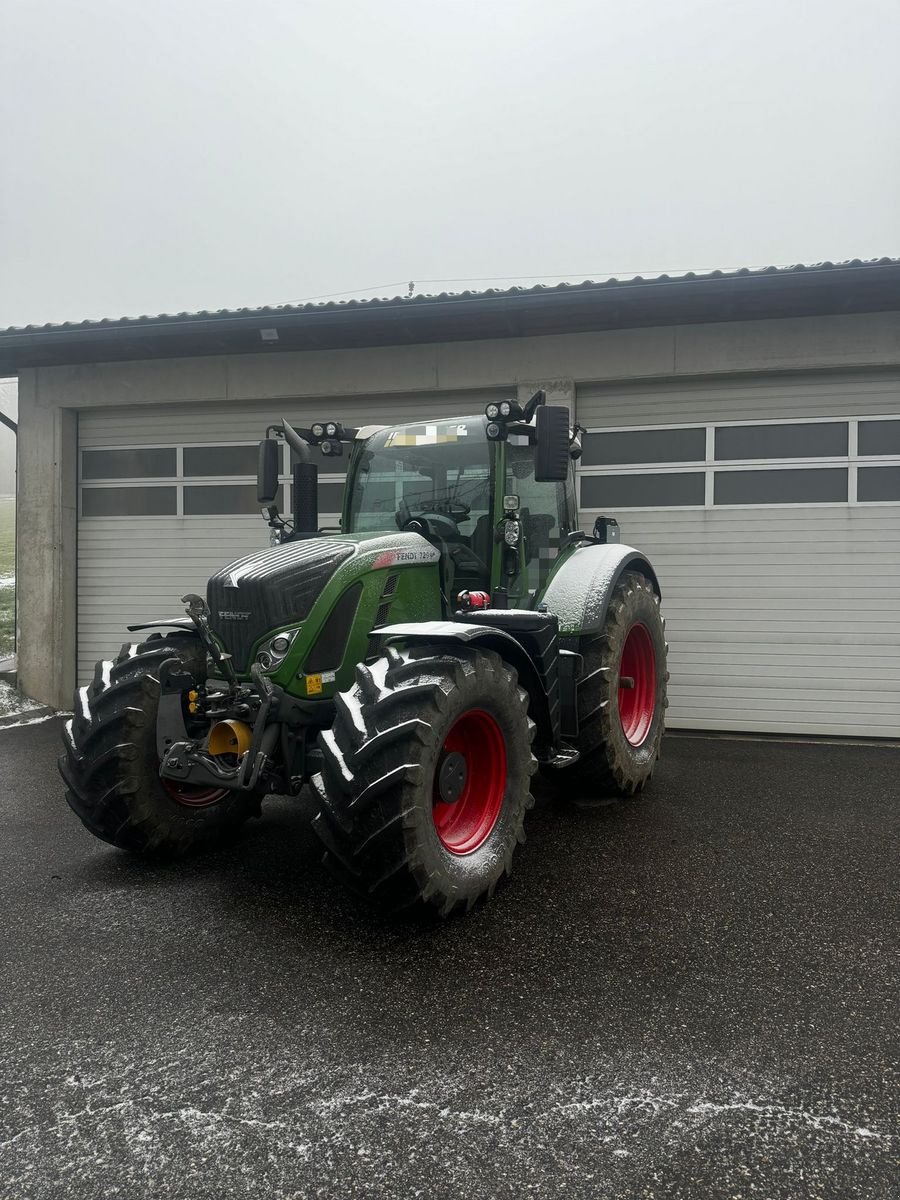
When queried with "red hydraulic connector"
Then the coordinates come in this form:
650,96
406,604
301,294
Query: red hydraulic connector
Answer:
470,600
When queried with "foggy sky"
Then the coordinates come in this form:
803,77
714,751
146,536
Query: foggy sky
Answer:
160,155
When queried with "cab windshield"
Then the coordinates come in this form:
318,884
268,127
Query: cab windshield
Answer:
441,468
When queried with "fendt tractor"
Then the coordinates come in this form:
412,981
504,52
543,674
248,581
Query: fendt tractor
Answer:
416,666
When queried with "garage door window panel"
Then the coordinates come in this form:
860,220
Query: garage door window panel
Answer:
639,446
220,461
878,484
809,439
152,462
129,501
879,439
789,486
663,490
202,500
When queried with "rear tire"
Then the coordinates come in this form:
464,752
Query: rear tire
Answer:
111,765
621,728
426,778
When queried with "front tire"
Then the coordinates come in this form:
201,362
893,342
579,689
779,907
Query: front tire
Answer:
111,765
426,778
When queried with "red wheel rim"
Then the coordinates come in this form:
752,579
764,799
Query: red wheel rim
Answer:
637,684
192,796
465,824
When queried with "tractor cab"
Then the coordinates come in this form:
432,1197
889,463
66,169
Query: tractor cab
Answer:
476,498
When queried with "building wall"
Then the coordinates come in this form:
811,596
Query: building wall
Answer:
50,399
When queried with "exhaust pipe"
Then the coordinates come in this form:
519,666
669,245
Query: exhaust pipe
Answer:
305,478
306,497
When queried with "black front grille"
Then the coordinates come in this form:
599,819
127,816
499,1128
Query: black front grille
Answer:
269,589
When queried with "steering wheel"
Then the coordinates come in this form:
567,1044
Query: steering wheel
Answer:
442,527
434,522
438,524
455,509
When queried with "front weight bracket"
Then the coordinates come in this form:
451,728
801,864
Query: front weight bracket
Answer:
174,682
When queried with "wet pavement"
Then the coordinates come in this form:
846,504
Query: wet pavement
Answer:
689,995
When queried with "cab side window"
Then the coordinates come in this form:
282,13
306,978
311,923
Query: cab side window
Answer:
545,519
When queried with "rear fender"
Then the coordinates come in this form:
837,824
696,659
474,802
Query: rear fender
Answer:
448,633
580,588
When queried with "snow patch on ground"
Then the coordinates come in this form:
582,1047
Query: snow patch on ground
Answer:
12,703
33,721
312,1124
7,581
779,1112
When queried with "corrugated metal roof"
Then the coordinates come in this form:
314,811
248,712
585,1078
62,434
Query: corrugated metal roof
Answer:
747,294
539,289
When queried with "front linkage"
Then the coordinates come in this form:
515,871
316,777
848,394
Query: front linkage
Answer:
242,724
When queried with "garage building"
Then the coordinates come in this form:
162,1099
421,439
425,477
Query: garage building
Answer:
744,429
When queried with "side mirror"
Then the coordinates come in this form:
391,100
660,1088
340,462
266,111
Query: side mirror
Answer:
267,472
551,453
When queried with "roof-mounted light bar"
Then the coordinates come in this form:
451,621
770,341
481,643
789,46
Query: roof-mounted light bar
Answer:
501,412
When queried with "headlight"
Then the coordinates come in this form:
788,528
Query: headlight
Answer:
505,408
318,430
511,533
493,430
492,412
272,654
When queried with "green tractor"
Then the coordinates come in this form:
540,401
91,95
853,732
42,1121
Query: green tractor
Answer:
415,667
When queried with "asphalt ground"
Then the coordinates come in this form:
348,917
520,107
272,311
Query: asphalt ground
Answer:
690,995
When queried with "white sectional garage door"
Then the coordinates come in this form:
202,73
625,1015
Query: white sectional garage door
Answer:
168,494
769,505
771,510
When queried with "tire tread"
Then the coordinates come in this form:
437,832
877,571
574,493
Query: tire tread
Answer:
371,779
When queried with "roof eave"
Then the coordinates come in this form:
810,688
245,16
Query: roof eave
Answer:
710,298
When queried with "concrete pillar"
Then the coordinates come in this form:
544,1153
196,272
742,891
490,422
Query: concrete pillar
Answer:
46,532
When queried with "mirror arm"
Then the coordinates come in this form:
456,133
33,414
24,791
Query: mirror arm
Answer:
539,397
522,430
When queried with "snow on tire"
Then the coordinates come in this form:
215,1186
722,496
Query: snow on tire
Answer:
426,777
111,766
622,696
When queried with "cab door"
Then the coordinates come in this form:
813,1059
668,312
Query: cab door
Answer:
547,514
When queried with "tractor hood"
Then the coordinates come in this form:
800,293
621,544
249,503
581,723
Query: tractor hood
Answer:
278,586
267,590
